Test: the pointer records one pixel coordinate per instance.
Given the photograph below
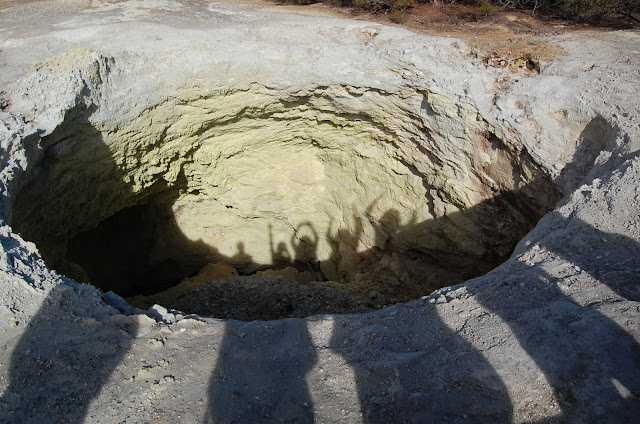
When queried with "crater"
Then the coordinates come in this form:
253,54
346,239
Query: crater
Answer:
257,204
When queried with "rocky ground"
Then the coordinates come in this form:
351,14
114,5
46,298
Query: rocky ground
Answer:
552,335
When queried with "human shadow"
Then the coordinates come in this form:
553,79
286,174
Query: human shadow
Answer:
422,371
596,136
156,256
413,258
301,264
345,261
410,367
590,361
62,360
260,374
428,373
81,210
67,351
305,244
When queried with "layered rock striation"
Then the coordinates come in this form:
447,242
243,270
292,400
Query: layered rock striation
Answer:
404,187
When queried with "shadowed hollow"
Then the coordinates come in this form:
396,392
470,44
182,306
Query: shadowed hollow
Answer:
339,188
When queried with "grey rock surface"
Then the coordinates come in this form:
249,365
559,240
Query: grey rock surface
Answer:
552,335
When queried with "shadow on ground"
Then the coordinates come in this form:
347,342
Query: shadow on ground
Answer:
61,362
424,372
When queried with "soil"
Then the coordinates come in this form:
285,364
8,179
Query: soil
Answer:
260,298
501,38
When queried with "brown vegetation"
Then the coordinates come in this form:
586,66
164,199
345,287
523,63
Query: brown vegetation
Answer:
589,11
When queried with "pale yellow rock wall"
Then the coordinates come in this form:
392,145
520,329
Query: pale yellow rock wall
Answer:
266,170
256,177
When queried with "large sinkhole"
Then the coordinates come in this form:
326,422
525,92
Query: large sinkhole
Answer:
252,204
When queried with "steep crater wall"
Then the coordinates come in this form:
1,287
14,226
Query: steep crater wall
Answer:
389,195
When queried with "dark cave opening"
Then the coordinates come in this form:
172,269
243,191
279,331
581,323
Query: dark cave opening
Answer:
117,254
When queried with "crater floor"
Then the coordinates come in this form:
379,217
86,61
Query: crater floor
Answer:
152,143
